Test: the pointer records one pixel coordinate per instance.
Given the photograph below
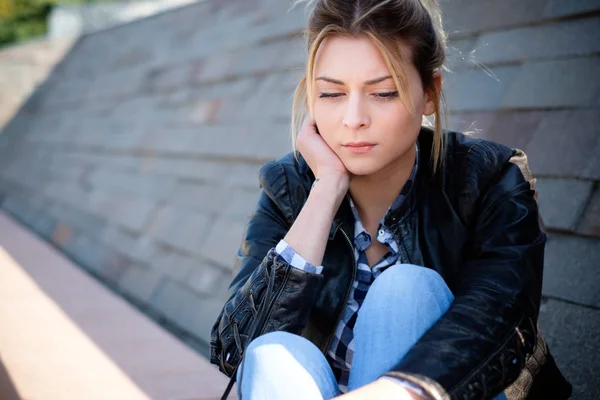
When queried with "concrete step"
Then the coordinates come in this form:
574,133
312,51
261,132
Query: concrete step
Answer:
65,336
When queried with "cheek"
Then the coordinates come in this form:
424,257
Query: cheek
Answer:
399,117
326,121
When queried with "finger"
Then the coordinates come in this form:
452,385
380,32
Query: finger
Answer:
309,120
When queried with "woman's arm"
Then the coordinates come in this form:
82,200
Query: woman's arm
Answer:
267,293
479,346
308,235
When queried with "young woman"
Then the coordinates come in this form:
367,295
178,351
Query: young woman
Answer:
386,259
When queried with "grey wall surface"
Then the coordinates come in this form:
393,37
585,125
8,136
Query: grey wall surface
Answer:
138,157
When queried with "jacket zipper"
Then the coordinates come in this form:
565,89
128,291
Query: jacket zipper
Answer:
348,291
270,308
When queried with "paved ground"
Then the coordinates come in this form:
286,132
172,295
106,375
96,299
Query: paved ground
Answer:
65,336
137,158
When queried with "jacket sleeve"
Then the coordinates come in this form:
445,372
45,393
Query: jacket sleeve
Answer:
480,344
266,293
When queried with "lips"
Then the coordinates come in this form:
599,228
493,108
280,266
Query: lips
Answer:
359,147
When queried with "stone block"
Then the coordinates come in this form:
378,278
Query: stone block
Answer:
571,269
144,186
186,170
565,145
271,142
260,59
223,241
91,225
181,229
174,265
562,202
560,8
590,222
461,54
278,106
186,309
35,211
44,225
243,176
85,252
17,206
216,67
559,39
514,129
466,17
286,21
163,141
572,335
59,211
241,204
170,77
478,124
114,237
171,297
136,214
242,141
62,234
555,83
200,319
147,250
140,282
214,141
198,112
209,281
124,83
294,58
206,198
104,203
115,266
65,192
478,90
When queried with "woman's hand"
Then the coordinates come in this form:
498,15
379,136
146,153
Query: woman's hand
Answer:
310,231
381,389
321,159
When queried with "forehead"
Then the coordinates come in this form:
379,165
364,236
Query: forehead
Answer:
343,57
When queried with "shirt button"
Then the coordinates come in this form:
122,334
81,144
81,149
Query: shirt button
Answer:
381,232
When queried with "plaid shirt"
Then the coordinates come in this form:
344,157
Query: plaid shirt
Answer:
341,352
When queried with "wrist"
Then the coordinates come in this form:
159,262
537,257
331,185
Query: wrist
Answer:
406,387
330,189
381,389
336,181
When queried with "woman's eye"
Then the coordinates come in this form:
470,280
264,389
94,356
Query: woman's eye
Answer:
330,95
386,96
378,96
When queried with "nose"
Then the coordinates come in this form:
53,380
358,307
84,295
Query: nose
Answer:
356,115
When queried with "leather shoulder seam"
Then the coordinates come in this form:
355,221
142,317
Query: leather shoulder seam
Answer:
273,180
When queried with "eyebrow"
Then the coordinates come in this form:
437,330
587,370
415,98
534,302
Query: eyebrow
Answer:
338,82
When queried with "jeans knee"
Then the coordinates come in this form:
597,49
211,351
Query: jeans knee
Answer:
276,337
265,347
407,284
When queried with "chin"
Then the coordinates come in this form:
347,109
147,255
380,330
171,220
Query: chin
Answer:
364,167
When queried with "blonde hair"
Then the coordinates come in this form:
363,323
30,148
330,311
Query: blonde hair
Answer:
387,23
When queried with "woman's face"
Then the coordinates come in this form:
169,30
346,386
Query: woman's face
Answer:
358,112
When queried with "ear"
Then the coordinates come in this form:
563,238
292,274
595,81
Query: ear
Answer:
432,94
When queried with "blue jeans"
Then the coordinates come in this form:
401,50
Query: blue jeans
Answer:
401,305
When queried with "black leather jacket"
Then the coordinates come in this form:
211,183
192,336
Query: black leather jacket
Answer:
475,222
